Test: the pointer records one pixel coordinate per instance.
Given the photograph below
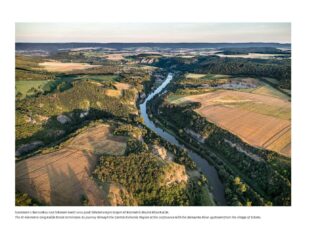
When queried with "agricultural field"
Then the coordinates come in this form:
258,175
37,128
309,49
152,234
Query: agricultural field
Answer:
83,135
122,86
254,56
195,75
55,66
63,177
207,79
270,91
118,92
24,87
260,120
114,57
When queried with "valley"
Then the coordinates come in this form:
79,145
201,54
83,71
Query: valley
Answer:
163,125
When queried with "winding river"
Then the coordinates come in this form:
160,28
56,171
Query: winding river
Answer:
208,170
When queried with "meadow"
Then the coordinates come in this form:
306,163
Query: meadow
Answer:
24,87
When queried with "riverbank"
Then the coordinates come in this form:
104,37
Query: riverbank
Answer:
217,188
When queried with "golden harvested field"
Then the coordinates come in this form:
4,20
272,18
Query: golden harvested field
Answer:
55,66
114,57
117,92
113,93
99,140
122,86
280,142
195,75
259,120
62,177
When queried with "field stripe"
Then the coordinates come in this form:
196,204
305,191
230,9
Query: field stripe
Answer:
276,136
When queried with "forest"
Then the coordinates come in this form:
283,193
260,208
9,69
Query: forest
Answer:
264,50
278,69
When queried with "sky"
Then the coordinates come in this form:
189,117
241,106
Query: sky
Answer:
153,32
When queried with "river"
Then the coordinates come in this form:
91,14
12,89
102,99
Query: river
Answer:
215,185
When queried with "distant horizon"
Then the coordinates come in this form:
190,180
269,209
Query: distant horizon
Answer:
153,32
158,42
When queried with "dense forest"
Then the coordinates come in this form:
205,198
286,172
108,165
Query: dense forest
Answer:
264,50
147,185
278,69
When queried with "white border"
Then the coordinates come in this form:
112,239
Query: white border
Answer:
298,221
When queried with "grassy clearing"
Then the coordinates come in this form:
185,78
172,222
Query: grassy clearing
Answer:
24,86
26,75
214,76
178,97
200,79
271,80
106,79
173,98
98,78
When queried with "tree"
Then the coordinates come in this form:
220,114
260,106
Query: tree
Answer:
19,95
237,180
23,199
242,187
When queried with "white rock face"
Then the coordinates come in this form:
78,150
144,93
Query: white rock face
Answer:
63,119
84,114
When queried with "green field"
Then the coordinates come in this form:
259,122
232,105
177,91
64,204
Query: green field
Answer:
173,97
193,78
99,78
24,86
214,76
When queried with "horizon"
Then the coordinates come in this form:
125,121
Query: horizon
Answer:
153,32
157,42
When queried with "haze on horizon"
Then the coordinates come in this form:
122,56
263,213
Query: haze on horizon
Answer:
153,32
